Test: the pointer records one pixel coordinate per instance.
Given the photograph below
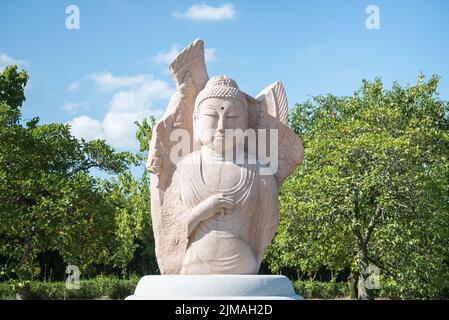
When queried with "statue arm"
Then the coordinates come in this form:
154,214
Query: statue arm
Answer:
205,210
193,217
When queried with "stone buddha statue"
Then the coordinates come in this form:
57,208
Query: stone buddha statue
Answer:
215,211
223,198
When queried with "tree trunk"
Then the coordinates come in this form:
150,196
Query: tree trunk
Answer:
352,283
364,293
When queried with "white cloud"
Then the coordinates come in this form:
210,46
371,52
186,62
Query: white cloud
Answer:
6,60
142,98
165,57
132,105
119,128
107,82
204,12
87,128
74,107
73,86
209,54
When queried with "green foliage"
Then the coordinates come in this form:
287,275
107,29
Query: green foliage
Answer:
373,188
144,133
12,94
132,200
321,290
96,288
49,202
132,219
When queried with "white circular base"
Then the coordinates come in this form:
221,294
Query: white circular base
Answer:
214,287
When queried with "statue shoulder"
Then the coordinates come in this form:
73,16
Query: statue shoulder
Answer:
190,158
187,163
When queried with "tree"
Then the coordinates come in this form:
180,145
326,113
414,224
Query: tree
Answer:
48,200
373,189
131,198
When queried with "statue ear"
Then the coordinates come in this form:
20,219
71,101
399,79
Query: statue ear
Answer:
196,135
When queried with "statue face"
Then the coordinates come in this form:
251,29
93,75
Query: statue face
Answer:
214,117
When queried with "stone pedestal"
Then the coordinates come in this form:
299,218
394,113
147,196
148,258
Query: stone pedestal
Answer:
214,287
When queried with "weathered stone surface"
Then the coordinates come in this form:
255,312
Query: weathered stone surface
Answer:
215,214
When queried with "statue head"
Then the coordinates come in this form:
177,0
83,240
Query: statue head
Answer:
219,107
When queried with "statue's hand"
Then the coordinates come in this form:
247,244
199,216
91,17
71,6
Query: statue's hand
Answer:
218,203
215,204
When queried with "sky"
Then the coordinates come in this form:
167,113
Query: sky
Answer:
113,69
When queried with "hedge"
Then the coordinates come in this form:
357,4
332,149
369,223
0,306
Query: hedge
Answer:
96,288
114,288
321,290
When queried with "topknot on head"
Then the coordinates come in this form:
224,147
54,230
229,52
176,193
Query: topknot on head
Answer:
222,81
220,87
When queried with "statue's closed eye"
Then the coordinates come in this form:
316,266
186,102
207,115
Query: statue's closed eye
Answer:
232,115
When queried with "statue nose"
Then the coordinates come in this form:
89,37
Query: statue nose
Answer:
220,126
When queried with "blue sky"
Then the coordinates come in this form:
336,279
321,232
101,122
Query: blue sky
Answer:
113,70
